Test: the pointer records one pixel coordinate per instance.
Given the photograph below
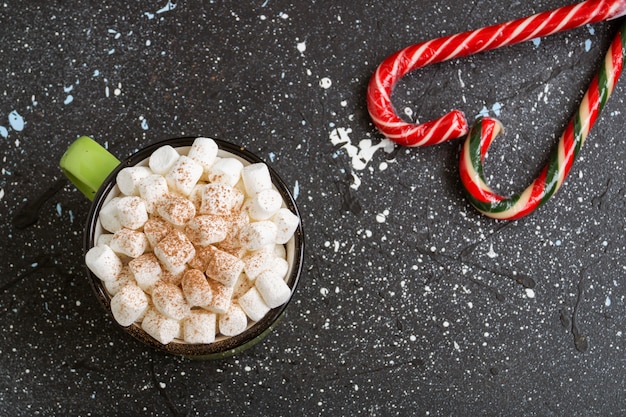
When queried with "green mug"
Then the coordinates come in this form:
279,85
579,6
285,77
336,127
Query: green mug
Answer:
87,165
93,170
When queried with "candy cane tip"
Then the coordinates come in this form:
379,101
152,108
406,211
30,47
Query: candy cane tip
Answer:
618,9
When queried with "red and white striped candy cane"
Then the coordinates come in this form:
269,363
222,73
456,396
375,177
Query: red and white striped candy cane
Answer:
453,125
554,173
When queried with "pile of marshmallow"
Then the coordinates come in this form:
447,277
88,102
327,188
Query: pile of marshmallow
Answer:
193,245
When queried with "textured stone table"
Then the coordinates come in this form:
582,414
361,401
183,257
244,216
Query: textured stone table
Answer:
411,303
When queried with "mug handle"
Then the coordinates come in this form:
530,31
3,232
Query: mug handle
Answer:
87,164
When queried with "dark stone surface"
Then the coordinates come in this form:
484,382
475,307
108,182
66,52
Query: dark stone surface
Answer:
411,302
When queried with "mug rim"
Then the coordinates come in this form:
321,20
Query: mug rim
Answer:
229,345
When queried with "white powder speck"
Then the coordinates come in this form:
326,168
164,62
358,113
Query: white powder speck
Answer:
168,7
492,254
325,83
530,293
301,46
383,166
1,193
162,385
607,302
324,291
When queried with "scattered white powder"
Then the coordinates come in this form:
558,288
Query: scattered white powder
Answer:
325,83
362,153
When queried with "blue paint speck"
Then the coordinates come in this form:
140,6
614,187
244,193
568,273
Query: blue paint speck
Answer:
144,124
587,45
497,109
296,190
4,132
68,99
536,42
16,121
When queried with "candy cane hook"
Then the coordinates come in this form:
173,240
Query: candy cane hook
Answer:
453,125
554,173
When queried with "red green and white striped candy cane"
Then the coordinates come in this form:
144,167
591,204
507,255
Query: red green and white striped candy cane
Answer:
554,173
453,125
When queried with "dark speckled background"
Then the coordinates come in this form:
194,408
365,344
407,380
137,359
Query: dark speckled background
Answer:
411,303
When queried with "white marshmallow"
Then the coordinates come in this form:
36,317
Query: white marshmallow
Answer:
222,296
146,270
160,327
265,204
104,239
204,151
184,175
155,230
258,262
200,327
128,178
176,210
129,242
196,288
257,234
132,212
256,178
253,305
273,289
220,199
124,278
103,262
262,261
170,301
224,267
278,250
129,304
233,322
242,286
174,251
202,258
162,160
196,195
109,216
286,225
226,171
207,229
153,189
